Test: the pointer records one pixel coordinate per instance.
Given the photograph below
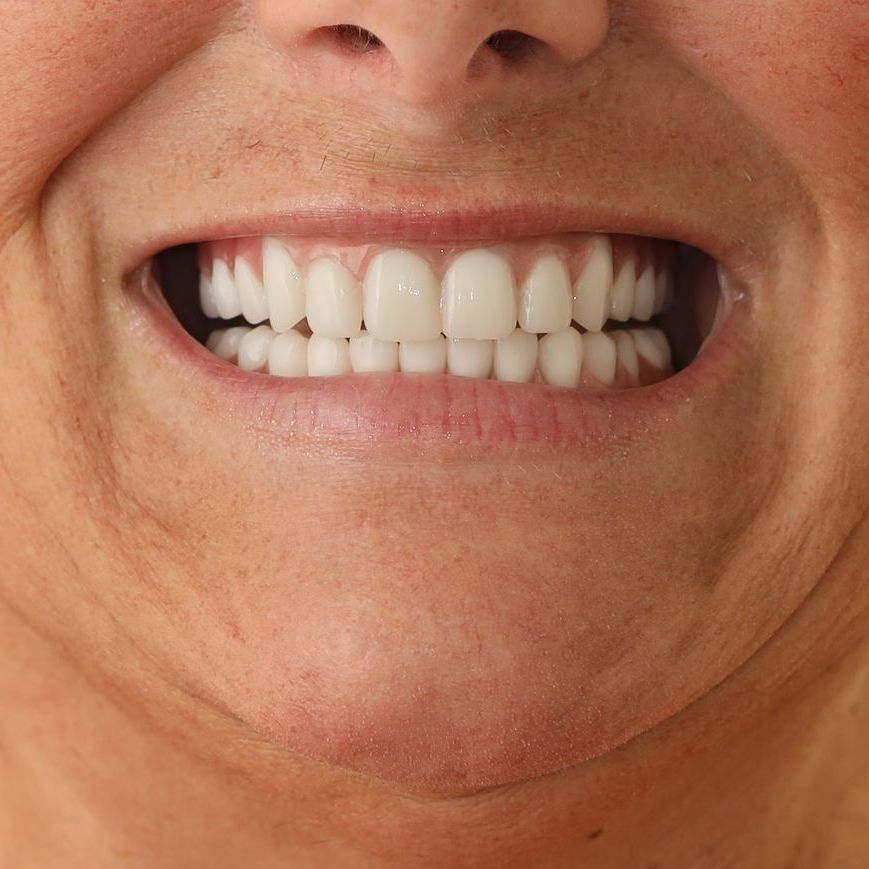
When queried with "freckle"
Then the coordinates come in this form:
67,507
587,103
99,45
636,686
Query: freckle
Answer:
217,172
595,834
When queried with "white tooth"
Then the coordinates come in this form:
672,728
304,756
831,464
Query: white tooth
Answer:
206,297
214,339
226,347
224,290
599,357
560,358
368,354
623,292
288,355
663,291
402,298
334,299
592,294
423,357
644,298
516,357
651,348
253,351
546,299
251,292
467,357
627,353
328,357
663,345
285,289
479,297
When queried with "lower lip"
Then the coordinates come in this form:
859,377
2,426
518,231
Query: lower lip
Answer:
390,408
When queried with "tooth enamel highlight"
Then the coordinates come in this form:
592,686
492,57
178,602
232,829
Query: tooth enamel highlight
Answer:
516,357
206,297
285,290
251,293
368,354
479,297
288,355
467,357
328,357
626,353
224,342
423,357
253,350
652,348
592,294
224,291
599,357
644,296
334,299
402,298
546,298
623,292
560,358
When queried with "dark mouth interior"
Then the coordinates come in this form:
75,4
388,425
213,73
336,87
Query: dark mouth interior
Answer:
687,324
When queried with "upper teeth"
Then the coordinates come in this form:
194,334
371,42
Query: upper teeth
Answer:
400,298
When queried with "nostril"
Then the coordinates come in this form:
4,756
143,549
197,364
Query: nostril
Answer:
512,44
353,38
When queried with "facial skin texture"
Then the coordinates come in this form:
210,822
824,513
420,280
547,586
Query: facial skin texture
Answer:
227,637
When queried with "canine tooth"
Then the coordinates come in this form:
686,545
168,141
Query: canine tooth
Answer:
644,297
651,348
206,297
663,291
285,290
560,358
599,357
516,357
368,354
328,357
479,297
623,292
224,290
401,298
546,300
251,292
423,357
592,294
626,352
334,299
226,347
468,357
253,350
288,355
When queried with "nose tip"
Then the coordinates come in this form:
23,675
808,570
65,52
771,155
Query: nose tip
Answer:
427,51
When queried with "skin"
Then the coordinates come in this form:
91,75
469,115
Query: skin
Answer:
224,641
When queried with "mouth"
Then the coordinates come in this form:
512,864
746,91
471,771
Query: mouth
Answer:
572,318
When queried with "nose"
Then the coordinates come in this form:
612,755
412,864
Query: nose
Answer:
433,51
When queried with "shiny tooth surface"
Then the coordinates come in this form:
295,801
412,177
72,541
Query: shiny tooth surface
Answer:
370,354
288,355
226,345
626,353
251,292
560,358
599,357
401,298
623,292
663,345
479,297
592,293
663,291
546,297
224,290
516,357
253,350
468,357
284,287
334,299
206,297
423,357
650,349
328,357
644,296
